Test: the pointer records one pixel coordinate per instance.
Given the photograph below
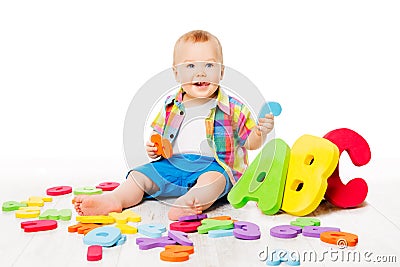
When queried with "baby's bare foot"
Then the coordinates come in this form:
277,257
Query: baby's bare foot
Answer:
185,209
97,204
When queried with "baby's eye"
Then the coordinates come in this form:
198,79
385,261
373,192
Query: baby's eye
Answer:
190,66
209,65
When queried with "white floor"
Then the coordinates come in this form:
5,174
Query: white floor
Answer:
377,222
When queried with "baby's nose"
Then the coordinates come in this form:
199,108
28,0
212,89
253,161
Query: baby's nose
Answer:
201,74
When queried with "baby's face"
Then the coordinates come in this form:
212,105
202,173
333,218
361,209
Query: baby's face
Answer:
198,68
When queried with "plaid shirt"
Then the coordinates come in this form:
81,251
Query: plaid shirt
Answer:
227,128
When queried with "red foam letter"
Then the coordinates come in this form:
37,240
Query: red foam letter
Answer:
39,225
354,192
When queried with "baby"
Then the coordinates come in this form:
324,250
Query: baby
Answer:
210,133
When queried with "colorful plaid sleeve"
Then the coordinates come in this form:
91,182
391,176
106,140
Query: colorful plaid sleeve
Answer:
158,122
245,124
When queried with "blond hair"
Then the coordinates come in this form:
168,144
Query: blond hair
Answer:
198,36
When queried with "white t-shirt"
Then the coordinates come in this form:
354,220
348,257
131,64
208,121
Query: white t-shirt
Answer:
192,133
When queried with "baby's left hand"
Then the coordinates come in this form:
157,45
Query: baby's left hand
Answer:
265,125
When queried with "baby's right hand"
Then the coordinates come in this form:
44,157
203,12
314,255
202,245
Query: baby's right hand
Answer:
151,150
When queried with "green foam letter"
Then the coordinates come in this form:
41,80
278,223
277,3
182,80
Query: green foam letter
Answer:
264,180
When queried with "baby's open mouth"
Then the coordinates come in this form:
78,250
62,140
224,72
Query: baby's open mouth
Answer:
202,84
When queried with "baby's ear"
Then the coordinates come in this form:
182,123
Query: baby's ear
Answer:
175,73
222,71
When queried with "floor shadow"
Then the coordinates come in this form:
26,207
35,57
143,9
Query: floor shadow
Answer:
324,207
327,208
220,203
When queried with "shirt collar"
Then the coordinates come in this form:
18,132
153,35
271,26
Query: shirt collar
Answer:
222,100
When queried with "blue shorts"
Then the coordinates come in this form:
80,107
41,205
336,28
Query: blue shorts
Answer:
176,175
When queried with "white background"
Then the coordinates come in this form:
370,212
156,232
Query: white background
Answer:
69,69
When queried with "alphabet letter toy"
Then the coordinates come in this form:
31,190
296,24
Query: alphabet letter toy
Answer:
149,243
210,224
37,201
151,229
312,161
38,225
355,191
107,186
247,231
125,216
196,217
58,190
12,205
342,239
82,228
126,229
27,212
269,107
53,214
285,231
87,190
222,218
220,233
96,219
176,253
264,180
94,253
180,237
315,231
306,221
105,236
164,147
187,227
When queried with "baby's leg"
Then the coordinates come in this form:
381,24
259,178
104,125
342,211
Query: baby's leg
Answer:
128,194
201,196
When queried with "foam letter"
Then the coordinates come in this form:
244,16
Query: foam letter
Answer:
53,214
87,190
187,227
264,180
342,239
285,231
125,216
58,190
312,161
180,237
12,205
82,228
36,201
176,253
107,186
306,221
354,192
105,236
151,229
247,231
39,225
315,231
149,243
27,212
94,253
210,224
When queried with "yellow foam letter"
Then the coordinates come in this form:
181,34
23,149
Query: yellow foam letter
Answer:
312,161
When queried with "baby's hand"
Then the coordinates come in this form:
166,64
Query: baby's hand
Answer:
151,150
265,125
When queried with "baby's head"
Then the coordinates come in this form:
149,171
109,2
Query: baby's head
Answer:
197,63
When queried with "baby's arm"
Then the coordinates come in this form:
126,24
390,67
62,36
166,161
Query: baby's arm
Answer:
259,133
